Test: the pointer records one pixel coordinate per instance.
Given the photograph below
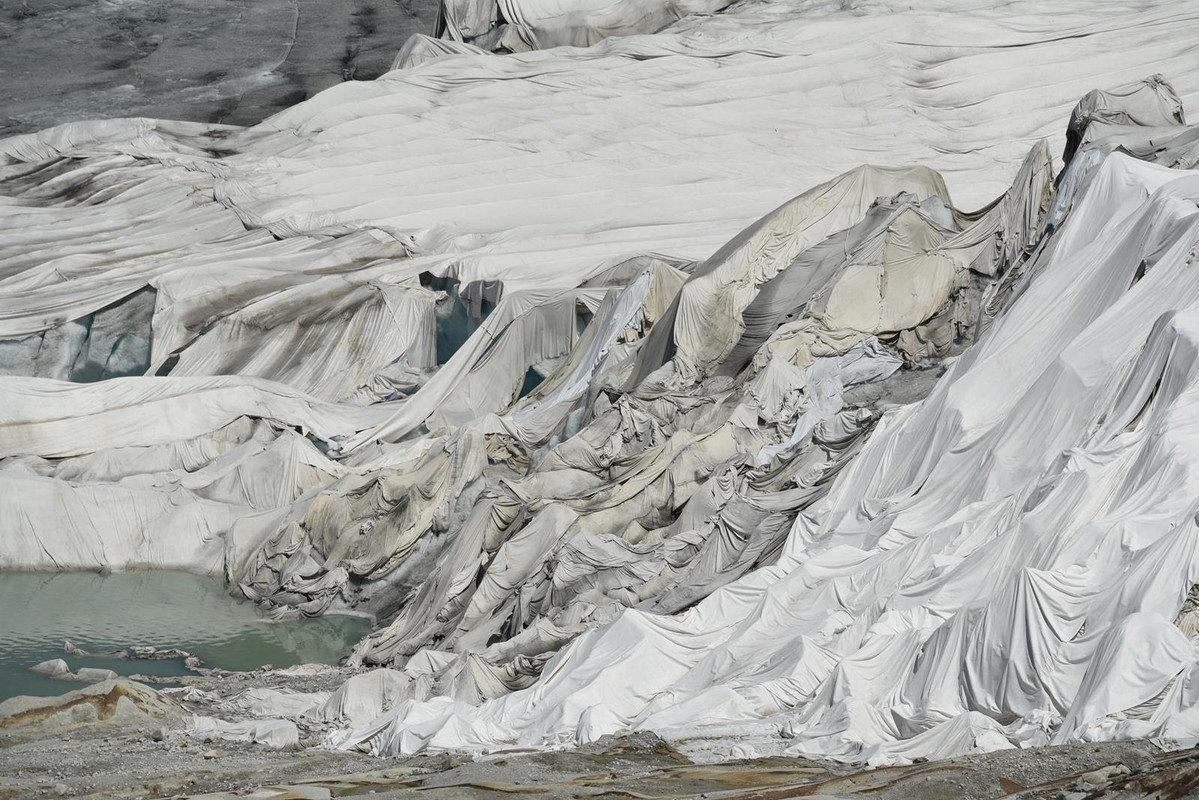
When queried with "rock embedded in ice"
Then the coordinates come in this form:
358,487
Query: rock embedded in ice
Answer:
117,701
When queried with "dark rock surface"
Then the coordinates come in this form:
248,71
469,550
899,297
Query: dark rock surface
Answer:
231,61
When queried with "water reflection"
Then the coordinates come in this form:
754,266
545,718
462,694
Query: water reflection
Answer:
162,609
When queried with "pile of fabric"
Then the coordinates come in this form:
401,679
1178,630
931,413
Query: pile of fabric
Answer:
513,352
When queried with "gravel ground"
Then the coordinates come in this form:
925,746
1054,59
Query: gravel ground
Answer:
142,749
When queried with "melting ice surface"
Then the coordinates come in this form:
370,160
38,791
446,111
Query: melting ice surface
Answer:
161,609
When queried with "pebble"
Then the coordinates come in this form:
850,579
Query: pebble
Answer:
211,754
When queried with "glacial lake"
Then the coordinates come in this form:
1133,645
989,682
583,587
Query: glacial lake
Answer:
160,609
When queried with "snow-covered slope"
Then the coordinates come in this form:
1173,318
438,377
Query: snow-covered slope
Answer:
630,397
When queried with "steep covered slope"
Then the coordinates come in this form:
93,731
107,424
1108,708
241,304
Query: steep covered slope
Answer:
1006,562
513,352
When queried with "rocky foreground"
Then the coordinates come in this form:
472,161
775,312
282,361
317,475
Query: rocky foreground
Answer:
122,739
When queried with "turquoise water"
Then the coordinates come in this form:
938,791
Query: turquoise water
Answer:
160,609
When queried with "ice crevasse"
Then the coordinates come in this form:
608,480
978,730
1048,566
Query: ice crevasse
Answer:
616,430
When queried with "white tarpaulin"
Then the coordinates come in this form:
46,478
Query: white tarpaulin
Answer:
757,371
1018,544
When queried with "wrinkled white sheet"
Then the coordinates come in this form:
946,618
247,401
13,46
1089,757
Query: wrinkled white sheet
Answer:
1000,563
279,734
